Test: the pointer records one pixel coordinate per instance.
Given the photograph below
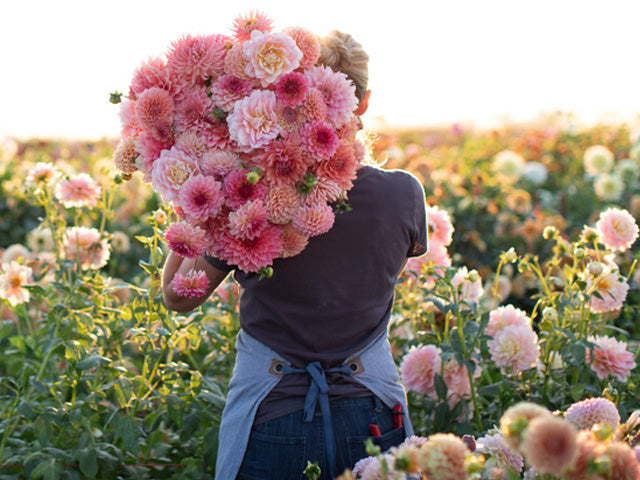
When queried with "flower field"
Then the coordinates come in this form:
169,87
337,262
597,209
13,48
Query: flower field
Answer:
516,336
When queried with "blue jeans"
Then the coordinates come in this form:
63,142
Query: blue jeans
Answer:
279,449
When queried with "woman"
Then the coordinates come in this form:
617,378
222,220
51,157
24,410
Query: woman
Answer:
314,377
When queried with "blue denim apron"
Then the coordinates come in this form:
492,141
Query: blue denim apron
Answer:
258,369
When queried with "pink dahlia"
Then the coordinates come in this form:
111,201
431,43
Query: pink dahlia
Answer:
291,89
217,135
611,289
283,161
290,119
128,120
467,284
550,445
253,122
515,347
504,316
307,42
219,163
324,191
239,190
186,240
86,247
589,451
312,220
194,284
196,59
201,197
228,90
456,377
443,457
342,167
154,109
282,203
370,468
436,257
248,220
13,278
250,255
270,55
43,173
292,243
150,150
617,229
193,110
235,64
314,107
80,190
418,369
244,25
153,73
125,155
320,139
500,455
585,414
192,143
170,171
338,93
440,226
624,465
610,357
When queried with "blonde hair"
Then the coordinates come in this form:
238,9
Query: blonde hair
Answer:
342,53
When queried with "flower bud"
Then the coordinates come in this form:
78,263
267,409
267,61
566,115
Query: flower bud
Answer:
549,313
589,235
473,276
595,268
579,252
115,97
549,232
510,255
253,177
160,217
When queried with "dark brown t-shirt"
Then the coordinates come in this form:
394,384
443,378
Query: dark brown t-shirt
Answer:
335,297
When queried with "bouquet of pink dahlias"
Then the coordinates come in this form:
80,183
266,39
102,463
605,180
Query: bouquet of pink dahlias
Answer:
251,141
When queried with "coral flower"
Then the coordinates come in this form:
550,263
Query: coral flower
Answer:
610,357
617,229
186,240
253,122
338,93
86,247
248,221
624,465
501,455
13,279
312,220
320,139
443,457
585,414
342,167
201,197
292,243
239,190
291,89
153,73
324,191
314,107
270,55
308,43
154,109
516,420
504,316
550,445
193,284
196,59
283,161
589,451
440,226
418,369
125,155
228,90
171,171
244,25
282,203
80,190
611,289
250,255
515,347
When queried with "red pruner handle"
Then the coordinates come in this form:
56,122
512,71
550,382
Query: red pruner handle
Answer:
397,416
375,430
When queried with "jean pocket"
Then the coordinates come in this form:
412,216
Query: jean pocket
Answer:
357,448
274,457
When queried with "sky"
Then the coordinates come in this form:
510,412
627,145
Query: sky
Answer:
475,62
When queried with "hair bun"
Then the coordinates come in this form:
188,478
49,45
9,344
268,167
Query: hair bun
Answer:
342,53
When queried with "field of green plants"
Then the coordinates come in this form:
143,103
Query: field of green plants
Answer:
529,293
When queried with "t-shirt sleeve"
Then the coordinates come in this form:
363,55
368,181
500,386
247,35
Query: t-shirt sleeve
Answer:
218,263
419,234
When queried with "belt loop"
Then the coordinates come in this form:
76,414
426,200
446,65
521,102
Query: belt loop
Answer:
378,404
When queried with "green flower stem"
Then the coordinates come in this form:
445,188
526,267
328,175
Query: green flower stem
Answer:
465,353
47,357
496,284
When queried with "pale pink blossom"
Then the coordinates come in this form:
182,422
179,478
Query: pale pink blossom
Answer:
617,229
219,162
270,55
186,240
611,289
171,171
282,203
418,369
192,143
610,357
443,457
125,155
193,110
370,468
244,25
314,107
228,90
338,93
13,279
499,453
468,285
515,347
291,89
86,247
436,257
312,220
150,149
248,220
253,122
128,121
239,190
504,316
584,414
250,255
201,197
307,42
235,63
550,445
15,252
292,243
195,59
79,190
440,226
456,377
193,284
153,73
154,109
320,140
43,173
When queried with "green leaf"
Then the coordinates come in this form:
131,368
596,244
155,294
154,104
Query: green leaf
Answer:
441,386
92,362
88,461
